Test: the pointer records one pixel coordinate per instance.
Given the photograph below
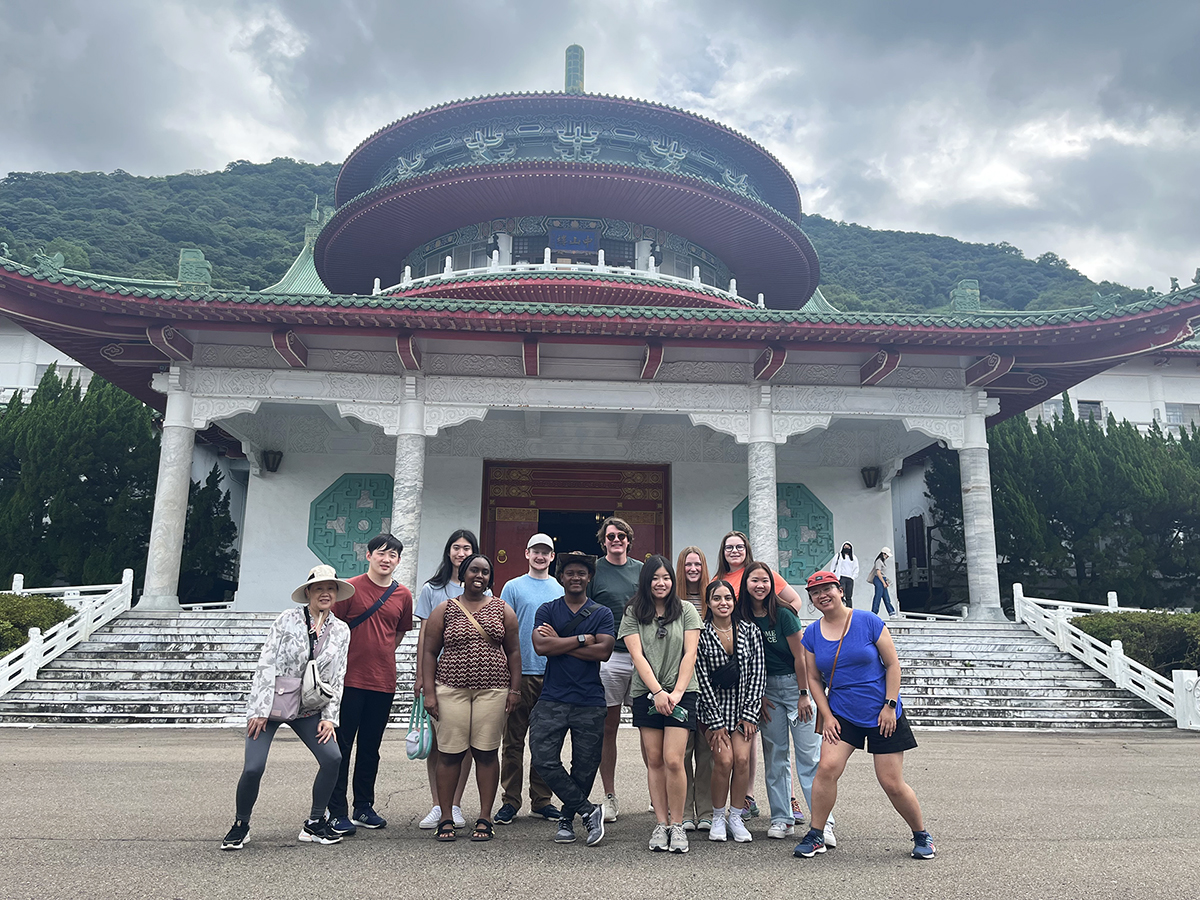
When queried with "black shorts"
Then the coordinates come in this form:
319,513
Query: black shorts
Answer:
902,738
646,716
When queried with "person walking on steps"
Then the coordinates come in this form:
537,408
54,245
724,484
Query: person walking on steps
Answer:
309,631
845,566
880,581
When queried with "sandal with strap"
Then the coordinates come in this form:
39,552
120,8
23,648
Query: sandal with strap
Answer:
483,830
445,831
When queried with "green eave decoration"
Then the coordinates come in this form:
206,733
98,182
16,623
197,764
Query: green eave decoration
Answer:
345,516
805,532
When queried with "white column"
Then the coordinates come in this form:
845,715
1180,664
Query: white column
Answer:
409,484
1158,399
27,367
979,529
760,458
170,505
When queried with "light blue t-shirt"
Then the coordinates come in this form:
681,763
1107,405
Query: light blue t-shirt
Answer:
525,595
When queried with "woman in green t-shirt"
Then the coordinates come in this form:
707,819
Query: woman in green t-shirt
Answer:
661,633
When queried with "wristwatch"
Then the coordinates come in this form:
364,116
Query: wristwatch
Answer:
891,703
803,692
582,639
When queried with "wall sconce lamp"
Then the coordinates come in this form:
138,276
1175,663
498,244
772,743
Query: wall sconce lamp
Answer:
870,476
272,458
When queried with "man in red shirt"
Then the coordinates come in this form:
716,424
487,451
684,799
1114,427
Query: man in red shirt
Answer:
379,615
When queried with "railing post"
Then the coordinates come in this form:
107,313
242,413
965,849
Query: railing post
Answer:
18,583
1019,601
1116,663
33,654
1187,698
1060,630
87,613
1112,599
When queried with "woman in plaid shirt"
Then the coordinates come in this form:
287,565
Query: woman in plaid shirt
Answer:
731,669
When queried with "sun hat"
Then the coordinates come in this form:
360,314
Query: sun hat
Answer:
816,579
540,538
577,556
323,573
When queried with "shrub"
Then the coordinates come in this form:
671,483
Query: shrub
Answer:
20,613
1161,641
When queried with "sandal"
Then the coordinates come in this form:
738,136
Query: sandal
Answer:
445,831
483,830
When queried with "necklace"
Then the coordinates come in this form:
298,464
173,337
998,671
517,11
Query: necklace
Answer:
728,630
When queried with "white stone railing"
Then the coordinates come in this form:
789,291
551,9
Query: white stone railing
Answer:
1178,697
650,274
97,604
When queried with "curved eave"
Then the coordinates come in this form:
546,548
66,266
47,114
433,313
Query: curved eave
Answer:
359,169
369,237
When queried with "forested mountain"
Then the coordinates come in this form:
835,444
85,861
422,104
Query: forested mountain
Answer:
249,221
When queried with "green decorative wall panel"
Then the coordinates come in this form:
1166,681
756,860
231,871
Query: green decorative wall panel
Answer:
345,516
805,530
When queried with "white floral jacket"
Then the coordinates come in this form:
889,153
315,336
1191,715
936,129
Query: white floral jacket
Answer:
285,653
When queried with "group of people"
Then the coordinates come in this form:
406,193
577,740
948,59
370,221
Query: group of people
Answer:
709,666
845,565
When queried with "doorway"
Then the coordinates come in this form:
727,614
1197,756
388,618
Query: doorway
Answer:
573,529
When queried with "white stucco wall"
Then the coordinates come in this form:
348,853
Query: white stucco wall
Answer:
454,499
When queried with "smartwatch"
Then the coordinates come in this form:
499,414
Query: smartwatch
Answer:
891,703
803,692
582,639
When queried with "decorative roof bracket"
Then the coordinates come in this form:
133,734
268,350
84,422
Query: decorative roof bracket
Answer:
170,342
988,369
878,367
652,360
769,362
290,348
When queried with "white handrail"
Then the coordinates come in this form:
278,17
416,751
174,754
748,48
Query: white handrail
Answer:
1178,697
96,608
651,275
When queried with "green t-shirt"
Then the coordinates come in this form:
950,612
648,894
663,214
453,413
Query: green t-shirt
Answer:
775,640
613,586
663,653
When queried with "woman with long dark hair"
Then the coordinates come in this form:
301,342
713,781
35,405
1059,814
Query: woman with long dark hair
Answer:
472,673
786,707
880,581
444,584
661,633
732,675
691,574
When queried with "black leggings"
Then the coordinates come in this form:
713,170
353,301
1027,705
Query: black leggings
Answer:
329,757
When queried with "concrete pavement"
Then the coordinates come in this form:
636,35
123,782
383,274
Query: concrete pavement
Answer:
139,813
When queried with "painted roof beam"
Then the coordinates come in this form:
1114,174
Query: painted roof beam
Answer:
988,369
170,342
652,360
290,348
408,351
530,356
769,362
878,367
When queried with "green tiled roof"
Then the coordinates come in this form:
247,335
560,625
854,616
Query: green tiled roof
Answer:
300,278
979,320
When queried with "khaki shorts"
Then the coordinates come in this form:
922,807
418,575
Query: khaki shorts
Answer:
469,717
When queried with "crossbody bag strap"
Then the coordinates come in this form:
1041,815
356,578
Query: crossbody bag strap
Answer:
474,621
569,628
312,638
362,617
845,630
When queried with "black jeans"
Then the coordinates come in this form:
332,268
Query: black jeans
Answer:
549,723
364,715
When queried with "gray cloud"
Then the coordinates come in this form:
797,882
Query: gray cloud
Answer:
1062,126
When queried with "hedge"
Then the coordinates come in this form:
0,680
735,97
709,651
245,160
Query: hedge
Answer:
20,613
1159,640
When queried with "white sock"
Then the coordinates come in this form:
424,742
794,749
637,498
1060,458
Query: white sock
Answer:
718,814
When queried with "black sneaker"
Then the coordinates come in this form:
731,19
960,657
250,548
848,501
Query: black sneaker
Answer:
594,823
236,839
549,811
366,817
319,832
566,831
505,814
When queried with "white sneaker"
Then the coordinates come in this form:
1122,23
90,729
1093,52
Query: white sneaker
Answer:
780,830
611,808
460,821
738,829
431,821
658,838
678,838
717,831
830,840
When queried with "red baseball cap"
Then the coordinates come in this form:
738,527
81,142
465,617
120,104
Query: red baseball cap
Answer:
816,579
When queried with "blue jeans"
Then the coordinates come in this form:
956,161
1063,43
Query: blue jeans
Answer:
881,593
783,691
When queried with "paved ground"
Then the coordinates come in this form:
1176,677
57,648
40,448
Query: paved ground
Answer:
132,813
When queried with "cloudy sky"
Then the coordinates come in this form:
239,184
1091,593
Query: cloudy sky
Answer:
1053,125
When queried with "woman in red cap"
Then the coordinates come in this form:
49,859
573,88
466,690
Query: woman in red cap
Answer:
850,655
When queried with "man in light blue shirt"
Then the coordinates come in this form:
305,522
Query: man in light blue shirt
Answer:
525,595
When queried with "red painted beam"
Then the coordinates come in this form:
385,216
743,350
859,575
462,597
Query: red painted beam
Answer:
530,356
988,369
652,360
170,342
878,367
408,351
289,346
769,362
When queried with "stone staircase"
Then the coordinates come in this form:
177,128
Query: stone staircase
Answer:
194,669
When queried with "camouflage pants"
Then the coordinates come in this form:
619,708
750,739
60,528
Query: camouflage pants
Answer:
548,726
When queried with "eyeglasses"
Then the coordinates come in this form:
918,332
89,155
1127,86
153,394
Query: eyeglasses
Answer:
616,538
735,548
662,628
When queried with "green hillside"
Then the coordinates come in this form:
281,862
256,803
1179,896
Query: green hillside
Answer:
249,221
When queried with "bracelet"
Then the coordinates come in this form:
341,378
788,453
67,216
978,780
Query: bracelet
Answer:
518,693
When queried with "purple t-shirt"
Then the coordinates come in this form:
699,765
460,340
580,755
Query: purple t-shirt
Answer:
859,685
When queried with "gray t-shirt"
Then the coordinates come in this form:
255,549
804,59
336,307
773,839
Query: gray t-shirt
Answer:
613,586
663,653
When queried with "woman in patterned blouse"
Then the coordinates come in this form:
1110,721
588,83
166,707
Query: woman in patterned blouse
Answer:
471,688
310,628
732,673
